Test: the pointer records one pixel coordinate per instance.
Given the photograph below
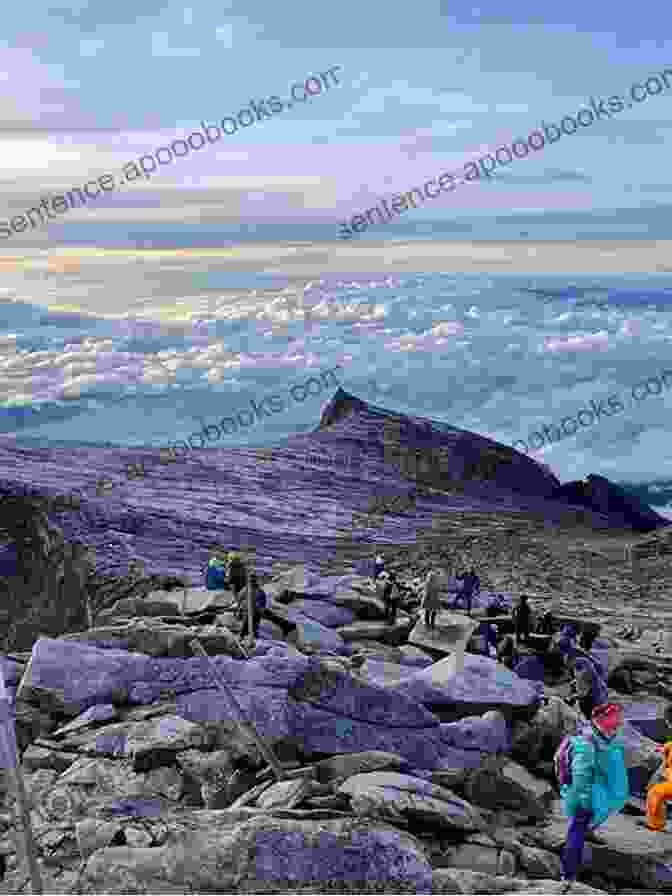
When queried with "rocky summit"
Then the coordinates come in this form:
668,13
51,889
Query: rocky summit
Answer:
341,750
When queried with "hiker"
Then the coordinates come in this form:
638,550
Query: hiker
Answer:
660,791
546,624
391,597
522,618
236,572
378,566
589,633
507,654
588,687
471,584
259,604
487,634
215,575
593,781
431,601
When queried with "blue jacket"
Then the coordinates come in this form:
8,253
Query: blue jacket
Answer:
215,577
599,777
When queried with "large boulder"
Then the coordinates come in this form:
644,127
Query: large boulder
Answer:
338,768
246,852
73,676
394,796
512,788
312,638
649,720
394,633
323,612
482,685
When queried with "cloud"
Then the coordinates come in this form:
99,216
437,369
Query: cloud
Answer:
589,342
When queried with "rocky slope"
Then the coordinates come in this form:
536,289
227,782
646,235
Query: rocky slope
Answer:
400,772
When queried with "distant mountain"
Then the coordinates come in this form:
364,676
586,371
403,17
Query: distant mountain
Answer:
307,499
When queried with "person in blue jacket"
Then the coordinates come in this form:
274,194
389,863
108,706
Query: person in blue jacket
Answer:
215,576
599,786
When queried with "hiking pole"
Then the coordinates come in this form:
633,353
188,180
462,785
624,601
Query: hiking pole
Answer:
245,726
9,761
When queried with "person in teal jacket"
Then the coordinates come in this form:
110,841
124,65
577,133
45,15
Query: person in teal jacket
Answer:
599,785
215,576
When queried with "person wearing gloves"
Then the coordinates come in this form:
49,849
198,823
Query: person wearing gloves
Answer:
660,791
599,783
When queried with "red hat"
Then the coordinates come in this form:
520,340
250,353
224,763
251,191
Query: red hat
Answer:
608,718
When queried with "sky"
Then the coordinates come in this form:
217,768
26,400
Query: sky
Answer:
423,88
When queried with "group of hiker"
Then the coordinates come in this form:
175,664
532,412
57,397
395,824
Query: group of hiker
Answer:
226,570
590,764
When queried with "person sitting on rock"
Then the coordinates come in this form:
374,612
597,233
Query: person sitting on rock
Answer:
431,600
378,566
259,604
660,791
522,618
599,782
236,573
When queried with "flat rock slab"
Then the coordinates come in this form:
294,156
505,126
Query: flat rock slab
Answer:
394,633
452,632
392,794
323,612
197,598
483,685
77,675
222,852
321,732
344,696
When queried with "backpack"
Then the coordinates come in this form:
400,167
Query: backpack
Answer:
562,760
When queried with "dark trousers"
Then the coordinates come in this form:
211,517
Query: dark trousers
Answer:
522,630
430,618
392,611
572,854
256,619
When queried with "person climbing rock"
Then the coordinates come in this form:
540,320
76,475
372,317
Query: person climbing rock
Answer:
660,791
259,604
522,618
596,785
431,601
